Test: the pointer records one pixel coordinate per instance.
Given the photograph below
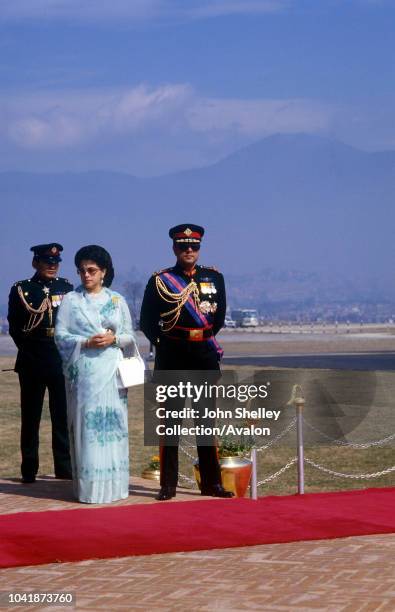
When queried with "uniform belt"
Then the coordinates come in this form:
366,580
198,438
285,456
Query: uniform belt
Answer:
197,334
42,332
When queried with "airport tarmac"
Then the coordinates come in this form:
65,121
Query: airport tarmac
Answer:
371,349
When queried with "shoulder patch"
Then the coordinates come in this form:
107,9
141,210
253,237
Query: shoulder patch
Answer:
213,268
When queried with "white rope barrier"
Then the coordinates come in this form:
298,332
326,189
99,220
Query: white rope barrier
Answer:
298,401
183,450
353,476
190,481
278,473
278,437
356,445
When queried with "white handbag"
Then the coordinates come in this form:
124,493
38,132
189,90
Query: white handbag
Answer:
131,370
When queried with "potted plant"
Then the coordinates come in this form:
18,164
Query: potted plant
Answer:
235,467
152,471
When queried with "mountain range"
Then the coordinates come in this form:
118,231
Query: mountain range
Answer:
286,203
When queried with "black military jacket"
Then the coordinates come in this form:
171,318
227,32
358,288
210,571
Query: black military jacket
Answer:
36,346
212,297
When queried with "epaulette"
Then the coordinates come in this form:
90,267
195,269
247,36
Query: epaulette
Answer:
62,280
25,280
211,268
161,271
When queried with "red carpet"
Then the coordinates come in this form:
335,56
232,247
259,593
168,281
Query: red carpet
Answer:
32,538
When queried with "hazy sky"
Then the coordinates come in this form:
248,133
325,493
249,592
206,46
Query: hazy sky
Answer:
151,86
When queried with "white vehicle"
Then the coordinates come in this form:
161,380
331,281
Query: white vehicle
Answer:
229,322
245,317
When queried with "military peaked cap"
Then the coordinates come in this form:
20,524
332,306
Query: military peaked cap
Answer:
186,232
50,253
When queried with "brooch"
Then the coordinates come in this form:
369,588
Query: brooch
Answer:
56,300
207,307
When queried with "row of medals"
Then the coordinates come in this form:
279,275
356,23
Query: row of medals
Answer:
206,307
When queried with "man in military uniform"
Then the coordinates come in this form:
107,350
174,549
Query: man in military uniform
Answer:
32,310
183,309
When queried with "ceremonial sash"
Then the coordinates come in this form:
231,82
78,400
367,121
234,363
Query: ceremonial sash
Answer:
177,284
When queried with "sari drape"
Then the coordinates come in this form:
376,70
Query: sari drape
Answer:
96,407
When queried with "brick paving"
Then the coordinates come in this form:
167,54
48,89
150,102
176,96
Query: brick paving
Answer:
343,575
47,493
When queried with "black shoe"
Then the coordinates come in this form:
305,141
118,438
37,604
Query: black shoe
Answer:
216,490
64,476
166,493
28,479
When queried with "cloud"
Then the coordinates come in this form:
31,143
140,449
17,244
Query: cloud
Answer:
133,10
68,119
141,107
34,132
255,118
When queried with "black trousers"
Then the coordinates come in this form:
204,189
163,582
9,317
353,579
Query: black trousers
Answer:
193,360
33,386
210,473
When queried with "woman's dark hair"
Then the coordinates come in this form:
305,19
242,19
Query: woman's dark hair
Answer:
100,256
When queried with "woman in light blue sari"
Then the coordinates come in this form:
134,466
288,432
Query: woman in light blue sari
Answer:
92,327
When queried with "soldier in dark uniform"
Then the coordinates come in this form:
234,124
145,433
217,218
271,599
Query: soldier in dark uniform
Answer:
183,309
32,310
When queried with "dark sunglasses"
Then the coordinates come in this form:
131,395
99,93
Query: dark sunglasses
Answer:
184,246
